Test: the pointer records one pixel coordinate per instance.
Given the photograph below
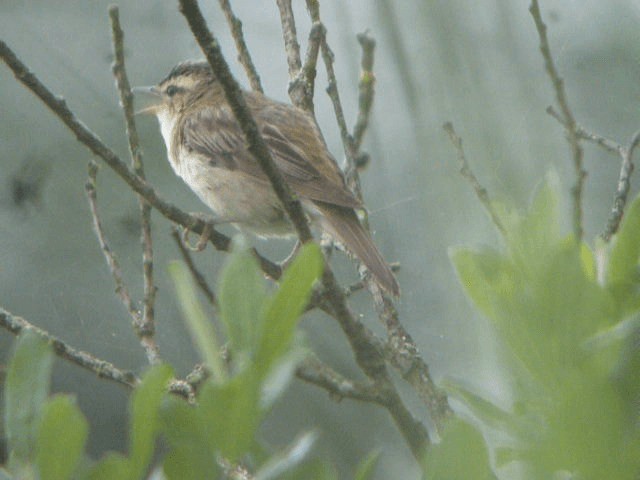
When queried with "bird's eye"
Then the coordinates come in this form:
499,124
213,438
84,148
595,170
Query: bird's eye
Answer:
172,90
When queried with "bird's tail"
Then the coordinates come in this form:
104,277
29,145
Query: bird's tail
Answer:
342,223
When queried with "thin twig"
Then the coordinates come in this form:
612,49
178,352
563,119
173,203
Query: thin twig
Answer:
624,177
404,355
292,47
604,142
569,120
195,273
317,373
244,57
146,338
146,327
301,76
101,368
622,190
353,180
366,89
332,89
302,86
368,357
85,136
466,172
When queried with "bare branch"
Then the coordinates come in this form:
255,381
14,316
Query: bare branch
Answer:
315,372
606,143
291,44
366,90
302,86
466,172
353,180
101,368
146,328
243,52
139,325
568,120
622,190
404,355
624,177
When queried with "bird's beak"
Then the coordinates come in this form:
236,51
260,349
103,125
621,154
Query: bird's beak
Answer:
149,98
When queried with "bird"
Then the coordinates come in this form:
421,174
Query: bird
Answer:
207,148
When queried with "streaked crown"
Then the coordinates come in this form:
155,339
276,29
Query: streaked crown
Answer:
186,83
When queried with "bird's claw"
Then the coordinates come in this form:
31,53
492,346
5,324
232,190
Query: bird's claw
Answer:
204,235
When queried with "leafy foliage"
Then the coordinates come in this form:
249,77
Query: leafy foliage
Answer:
571,347
47,434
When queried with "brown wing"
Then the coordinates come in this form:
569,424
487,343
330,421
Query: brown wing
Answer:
215,134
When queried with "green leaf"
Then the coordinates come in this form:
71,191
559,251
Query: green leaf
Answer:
232,413
288,459
367,467
27,387
483,409
313,469
529,241
279,376
114,466
485,275
461,454
183,462
286,307
623,275
145,405
241,296
202,332
61,438
193,445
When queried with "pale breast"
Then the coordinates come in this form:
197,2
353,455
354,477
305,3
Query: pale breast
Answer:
234,196
167,124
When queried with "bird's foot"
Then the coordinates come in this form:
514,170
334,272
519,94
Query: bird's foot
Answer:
204,235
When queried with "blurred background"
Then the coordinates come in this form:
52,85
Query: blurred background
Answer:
476,66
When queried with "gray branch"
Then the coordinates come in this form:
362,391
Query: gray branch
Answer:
145,324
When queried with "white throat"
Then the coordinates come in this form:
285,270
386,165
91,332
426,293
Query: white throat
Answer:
167,123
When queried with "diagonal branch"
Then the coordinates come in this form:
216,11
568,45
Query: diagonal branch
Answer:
467,173
315,372
622,190
101,368
241,46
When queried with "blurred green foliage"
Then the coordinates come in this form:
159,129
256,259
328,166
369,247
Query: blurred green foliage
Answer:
218,431
566,315
571,348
